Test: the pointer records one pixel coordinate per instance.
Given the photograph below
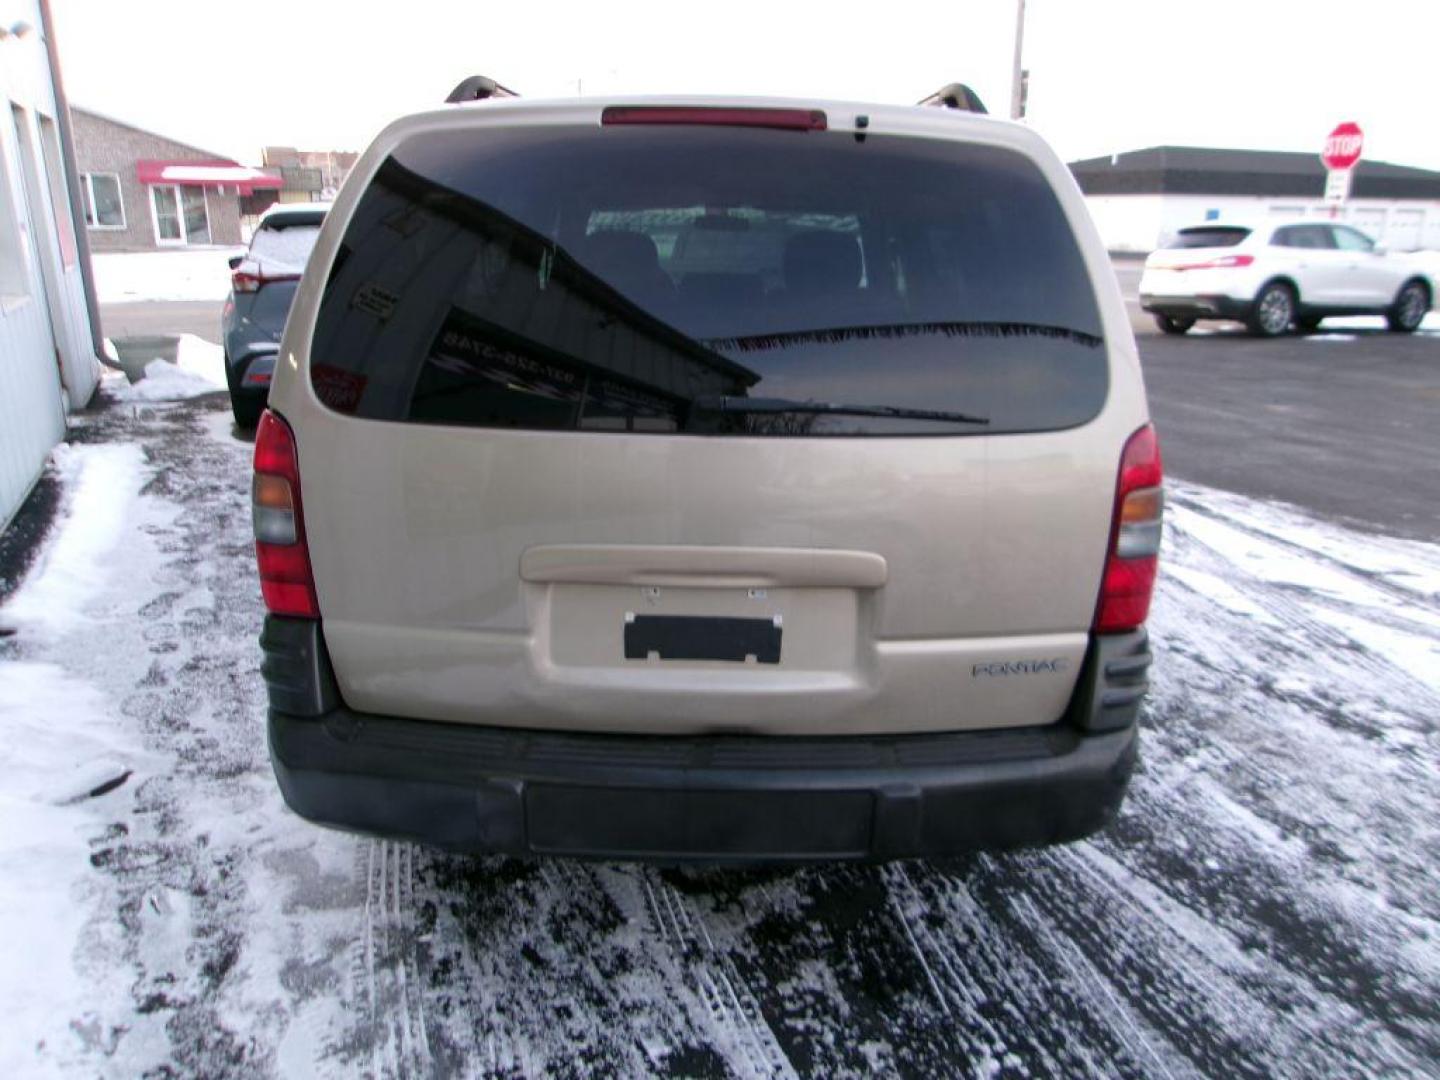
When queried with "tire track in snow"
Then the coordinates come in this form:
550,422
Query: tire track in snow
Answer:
995,972
1259,966
1312,812
384,964
713,976
1138,1042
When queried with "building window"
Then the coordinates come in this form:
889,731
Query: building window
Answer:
165,201
197,216
181,216
104,209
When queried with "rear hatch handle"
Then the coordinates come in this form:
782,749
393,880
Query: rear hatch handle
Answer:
678,565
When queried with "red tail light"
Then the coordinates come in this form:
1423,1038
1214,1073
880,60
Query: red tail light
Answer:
786,119
1224,262
244,281
280,550
1132,559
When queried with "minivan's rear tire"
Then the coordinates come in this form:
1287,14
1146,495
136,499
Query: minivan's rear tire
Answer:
1411,304
1273,312
1172,324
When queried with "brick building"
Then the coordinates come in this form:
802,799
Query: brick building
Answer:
143,191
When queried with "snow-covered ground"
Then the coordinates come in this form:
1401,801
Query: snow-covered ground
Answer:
1268,903
190,274
199,368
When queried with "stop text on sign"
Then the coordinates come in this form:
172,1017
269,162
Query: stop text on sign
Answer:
1343,146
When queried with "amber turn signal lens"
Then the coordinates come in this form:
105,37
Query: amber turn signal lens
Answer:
273,492
1142,506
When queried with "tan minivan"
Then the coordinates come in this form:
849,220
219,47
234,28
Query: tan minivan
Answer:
707,479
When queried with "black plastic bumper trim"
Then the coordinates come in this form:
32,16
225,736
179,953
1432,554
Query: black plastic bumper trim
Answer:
711,798
717,798
1201,307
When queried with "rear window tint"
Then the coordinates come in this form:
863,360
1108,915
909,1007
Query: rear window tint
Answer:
710,281
1216,236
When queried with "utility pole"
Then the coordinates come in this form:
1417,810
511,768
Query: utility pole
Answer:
1017,76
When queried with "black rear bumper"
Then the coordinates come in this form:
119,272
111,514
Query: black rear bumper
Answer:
1196,307
711,798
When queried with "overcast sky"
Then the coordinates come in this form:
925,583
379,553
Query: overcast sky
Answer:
1106,75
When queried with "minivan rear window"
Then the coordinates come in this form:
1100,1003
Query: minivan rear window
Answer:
1213,236
709,281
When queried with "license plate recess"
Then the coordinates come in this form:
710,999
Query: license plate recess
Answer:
702,637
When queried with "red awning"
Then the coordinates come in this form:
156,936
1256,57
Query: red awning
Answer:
207,174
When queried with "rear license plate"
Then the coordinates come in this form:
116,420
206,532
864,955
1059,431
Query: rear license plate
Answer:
700,637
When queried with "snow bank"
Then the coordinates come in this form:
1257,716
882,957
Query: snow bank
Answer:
201,274
199,368
57,750
102,482
66,757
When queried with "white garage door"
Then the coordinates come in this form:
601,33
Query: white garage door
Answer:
1370,220
1405,226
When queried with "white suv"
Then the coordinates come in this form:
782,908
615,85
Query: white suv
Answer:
1276,276
719,479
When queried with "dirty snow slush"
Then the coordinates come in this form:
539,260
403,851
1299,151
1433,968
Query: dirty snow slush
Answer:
1266,904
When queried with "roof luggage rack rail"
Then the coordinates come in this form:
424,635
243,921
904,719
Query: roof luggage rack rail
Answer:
955,96
478,88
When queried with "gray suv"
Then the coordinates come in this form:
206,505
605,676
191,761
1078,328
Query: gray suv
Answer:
262,286
707,479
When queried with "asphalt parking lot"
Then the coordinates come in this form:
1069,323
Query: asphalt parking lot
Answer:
1342,422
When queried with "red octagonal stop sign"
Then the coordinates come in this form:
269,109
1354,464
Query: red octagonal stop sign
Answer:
1342,148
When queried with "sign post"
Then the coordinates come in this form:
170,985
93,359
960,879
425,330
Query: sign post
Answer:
1340,155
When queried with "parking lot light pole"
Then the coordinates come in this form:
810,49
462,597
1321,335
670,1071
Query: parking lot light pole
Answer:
1017,78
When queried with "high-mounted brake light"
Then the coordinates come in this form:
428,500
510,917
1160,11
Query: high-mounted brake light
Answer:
1224,262
785,119
280,550
1133,555
243,281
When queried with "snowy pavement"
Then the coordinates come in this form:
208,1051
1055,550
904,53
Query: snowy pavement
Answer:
1268,903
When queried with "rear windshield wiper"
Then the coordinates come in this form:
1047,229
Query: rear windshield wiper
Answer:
740,406
835,335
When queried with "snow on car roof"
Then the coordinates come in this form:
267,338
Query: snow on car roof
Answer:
279,209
